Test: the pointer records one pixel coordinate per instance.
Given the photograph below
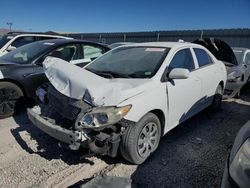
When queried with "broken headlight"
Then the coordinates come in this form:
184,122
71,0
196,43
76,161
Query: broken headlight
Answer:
103,116
240,167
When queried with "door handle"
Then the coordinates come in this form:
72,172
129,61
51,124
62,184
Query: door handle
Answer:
26,75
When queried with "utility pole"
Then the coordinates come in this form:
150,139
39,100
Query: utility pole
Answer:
9,24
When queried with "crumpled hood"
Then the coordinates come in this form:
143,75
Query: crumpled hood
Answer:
74,81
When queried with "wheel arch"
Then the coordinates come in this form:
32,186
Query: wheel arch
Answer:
160,114
18,84
222,84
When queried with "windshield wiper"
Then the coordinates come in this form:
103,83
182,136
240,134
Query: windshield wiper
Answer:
139,74
116,74
109,74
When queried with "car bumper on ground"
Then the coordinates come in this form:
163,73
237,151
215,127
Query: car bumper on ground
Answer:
101,143
72,138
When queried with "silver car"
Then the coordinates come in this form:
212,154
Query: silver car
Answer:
237,61
239,74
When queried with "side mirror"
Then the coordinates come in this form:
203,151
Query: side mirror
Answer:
10,48
179,73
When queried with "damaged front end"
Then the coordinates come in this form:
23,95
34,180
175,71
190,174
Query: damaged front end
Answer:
78,122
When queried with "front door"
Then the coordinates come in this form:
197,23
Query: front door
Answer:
183,94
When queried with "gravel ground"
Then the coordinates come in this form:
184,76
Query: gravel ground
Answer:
191,155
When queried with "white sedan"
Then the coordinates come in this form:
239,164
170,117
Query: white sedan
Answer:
129,97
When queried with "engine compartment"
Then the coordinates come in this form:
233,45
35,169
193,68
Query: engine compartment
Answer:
60,110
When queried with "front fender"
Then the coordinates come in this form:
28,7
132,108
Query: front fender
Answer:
154,98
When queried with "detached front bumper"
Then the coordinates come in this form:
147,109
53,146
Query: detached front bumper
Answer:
100,143
73,138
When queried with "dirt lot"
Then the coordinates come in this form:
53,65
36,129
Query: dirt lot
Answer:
191,155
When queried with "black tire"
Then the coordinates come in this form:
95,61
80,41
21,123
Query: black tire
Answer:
216,104
130,148
10,94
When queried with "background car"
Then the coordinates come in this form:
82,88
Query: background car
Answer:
237,169
14,40
235,70
116,44
129,97
243,67
21,70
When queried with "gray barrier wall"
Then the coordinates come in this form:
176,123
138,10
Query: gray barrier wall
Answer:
234,37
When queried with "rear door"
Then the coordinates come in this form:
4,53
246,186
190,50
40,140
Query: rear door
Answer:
207,73
183,94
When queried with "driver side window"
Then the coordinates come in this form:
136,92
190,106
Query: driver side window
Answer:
66,53
182,59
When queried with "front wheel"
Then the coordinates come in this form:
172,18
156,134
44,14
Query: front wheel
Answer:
141,139
9,95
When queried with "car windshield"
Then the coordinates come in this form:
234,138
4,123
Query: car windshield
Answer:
129,62
26,53
239,55
4,40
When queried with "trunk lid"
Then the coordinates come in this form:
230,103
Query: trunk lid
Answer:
220,49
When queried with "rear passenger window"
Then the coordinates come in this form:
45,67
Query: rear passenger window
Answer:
182,59
202,57
91,52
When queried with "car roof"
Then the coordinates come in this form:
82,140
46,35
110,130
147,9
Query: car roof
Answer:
65,41
123,43
35,35
166,44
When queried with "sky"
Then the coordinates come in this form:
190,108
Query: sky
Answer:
123,16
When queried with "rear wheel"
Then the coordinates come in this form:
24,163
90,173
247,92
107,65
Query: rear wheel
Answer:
140,140
216,104
9,96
